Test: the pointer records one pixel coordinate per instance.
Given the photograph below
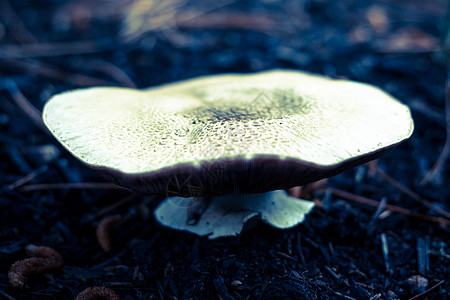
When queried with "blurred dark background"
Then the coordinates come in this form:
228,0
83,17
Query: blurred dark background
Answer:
401,46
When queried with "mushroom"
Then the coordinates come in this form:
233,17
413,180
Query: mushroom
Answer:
226,136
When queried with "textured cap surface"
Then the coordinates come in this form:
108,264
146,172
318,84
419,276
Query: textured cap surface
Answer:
229,133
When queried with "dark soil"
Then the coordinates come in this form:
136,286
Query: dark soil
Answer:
49,46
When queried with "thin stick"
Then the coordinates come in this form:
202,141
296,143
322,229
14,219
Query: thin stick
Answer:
342,295
422,256
440,163
286,256
390,207
15,25
427,291
109,69
117,204
410,193
165,18
48,71
368,287
413,51
379,210
299,249
62,186
27,178
25,105
431,112
56,48
227,20
6,295
333,274
385,248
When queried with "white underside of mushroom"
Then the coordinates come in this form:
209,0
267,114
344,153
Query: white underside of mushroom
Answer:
227,215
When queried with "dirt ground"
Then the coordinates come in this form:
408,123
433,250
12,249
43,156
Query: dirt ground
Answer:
379,231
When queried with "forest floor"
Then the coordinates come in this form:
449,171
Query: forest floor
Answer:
378,231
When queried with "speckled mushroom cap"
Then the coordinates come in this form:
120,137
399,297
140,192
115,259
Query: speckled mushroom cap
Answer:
227,134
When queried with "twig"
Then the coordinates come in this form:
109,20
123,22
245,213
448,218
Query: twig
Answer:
26,178
431,112
427,291
390,207
326,255
359,272
385,248
410,193
412,51
379,210
440,163
25,106
57,48
6,295
113,259
17,159
286,256
48,71
62,186
299,249
162,17
422,255
117,204
148,16
343,296
445,35
332,273
368,287
327,200
312,243
228,20
109,69
15,25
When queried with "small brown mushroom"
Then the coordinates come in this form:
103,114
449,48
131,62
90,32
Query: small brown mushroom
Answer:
46,259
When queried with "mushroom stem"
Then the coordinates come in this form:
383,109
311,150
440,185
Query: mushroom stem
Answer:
227,215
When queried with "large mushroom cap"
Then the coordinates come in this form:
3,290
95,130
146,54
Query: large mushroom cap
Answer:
227,134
